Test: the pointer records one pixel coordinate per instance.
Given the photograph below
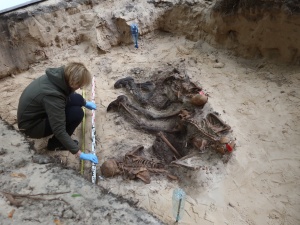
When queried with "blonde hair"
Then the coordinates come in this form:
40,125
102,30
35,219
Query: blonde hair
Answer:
76,74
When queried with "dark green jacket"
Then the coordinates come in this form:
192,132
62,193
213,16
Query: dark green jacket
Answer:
46,97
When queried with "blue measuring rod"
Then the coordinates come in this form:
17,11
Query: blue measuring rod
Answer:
178,200
135,34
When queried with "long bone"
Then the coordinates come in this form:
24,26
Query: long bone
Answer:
169,144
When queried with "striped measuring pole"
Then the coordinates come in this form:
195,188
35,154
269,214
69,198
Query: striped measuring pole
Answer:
93,133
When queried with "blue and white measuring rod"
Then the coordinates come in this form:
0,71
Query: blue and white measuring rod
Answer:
93,133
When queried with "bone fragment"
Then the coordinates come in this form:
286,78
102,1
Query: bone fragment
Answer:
169,144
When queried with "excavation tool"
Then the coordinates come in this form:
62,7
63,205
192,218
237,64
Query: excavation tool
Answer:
93,133
178,203
83,135
135,34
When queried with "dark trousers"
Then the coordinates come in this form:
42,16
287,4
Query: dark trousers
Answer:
74,115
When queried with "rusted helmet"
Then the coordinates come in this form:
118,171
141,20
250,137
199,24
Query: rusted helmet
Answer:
199,100
109,168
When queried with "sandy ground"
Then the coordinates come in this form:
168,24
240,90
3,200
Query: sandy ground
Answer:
259,100
50,193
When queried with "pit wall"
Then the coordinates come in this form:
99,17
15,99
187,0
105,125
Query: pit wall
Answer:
36,33
251,33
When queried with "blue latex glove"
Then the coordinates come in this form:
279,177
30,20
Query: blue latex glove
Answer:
90,105
89,156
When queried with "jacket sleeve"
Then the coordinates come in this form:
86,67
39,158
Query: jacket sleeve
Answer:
55,109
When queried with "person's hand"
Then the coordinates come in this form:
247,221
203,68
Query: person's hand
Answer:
89,156
90,105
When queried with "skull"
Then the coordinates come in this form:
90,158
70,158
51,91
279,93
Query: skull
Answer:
110,168
199,100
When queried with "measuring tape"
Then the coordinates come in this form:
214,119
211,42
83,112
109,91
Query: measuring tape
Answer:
83,135
93,133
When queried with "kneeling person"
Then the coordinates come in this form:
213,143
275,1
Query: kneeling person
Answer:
49,105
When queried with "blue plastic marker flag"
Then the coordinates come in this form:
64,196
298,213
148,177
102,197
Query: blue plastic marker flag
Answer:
135,34
178,203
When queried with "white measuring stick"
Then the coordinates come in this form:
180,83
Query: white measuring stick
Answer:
93,133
